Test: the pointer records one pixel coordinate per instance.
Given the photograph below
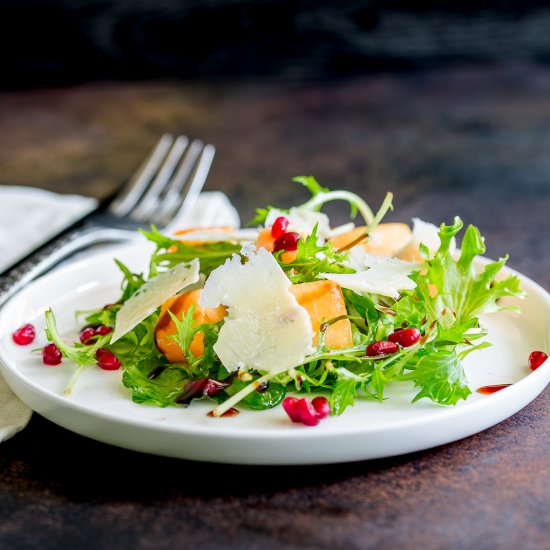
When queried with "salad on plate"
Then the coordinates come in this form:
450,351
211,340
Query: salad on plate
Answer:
293,312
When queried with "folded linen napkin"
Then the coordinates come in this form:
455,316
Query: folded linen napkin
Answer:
29,217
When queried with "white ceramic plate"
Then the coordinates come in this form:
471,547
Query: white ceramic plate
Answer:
100,406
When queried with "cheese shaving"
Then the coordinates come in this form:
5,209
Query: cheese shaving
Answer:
265,329
152,295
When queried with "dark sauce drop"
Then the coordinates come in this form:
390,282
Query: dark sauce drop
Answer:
492,388
227,414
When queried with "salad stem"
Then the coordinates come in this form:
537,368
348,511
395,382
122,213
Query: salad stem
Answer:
74,378
353,199
385,206
234,399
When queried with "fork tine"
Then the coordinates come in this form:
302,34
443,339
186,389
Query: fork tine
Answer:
149,202
134,189
173,197
180,208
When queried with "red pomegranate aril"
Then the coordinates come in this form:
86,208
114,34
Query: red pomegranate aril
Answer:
306,412
279,227
289,405
86,335
24,335
102,330
536,359
287,241
321,406
106,359
381,347
405,337
51,355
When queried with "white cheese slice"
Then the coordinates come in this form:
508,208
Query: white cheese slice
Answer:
423,233
302,221
385,276
359,259
152,295
265,328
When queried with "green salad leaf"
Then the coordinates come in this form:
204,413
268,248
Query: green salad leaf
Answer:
170,252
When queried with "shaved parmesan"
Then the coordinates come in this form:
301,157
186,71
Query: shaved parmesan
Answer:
302,220
265,328
423,233
359,259
385,276
152,295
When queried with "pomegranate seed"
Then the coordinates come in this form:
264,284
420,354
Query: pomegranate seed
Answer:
24,335
306,412
289,405
106,359
86,334
89,331
279,227
321,406
405,336
287,241
536,359
381,347
51,355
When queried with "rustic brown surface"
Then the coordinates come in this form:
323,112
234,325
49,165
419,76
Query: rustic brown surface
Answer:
474,142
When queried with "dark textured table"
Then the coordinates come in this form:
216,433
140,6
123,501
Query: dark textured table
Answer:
471,141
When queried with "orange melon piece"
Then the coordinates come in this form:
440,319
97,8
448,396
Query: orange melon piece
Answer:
386,239
220,228
266,240
216,228
323,300
179,305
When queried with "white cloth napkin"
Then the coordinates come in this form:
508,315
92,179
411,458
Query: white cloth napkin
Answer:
29,217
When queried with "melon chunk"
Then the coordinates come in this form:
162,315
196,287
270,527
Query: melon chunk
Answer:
386,239
166,328
266,240
265,329
324,301
199,235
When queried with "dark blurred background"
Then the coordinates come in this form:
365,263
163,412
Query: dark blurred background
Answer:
61,42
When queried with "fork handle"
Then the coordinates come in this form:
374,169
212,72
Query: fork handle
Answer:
51,255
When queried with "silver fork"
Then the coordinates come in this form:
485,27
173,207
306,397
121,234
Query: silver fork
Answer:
164,188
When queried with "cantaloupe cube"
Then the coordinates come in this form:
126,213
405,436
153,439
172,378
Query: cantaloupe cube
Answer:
323,300
386,239
266,240
179,305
